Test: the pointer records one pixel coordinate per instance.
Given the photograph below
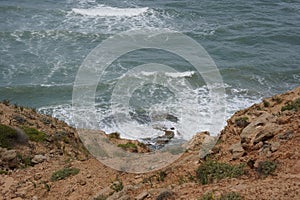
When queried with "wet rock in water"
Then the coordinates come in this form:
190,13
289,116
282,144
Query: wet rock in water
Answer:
144,117
141,117
169,134
172,118
160,141
164,117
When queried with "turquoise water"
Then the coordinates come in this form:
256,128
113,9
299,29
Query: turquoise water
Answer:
255,44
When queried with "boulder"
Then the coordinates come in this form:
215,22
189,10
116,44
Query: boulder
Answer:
38,159
259,130
236,150
9,155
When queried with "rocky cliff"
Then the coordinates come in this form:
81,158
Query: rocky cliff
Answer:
255,157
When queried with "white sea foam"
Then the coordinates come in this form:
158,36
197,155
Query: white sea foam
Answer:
180,74
195,113
107,11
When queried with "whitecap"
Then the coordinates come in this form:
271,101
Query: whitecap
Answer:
107,11
180,74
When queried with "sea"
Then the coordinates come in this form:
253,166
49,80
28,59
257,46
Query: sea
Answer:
254,44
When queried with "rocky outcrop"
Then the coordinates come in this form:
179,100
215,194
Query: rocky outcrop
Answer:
263,138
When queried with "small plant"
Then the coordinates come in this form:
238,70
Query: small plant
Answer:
114,135
181,180
227,196
46,186
25,160
129,146
208,196
161,176
266,168
101,197
117,186
3,172
34,135
295,105
242,122
64,173
191,177
8,136
277,99
266,103
210,171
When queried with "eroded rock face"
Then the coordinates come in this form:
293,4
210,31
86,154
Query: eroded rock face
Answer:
197,140
259,130
236,150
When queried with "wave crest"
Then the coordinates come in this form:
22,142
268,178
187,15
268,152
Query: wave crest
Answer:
107,11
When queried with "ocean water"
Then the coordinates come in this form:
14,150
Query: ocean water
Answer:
255,45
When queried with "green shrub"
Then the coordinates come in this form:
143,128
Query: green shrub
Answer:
227,196
47,186
25,160
212,170
277,99
101,197
266,168
161,176
231,196
266,103
114,135
129,146
64,173
3,172
34,135
8,136
295,105
117,186
208,196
